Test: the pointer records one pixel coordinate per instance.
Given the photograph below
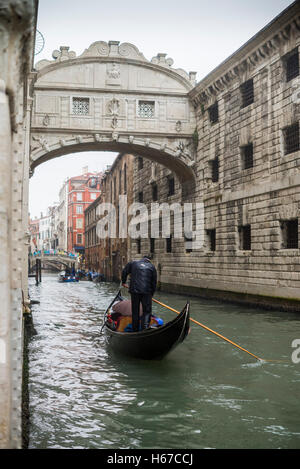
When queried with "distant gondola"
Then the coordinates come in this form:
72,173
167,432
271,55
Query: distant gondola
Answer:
152,343
63,277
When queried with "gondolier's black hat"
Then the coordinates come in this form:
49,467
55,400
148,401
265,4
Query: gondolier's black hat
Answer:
148,256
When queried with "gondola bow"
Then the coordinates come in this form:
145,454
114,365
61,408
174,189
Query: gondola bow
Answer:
152,343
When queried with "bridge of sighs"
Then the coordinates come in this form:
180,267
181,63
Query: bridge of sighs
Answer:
112,98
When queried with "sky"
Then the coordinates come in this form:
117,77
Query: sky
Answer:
197,34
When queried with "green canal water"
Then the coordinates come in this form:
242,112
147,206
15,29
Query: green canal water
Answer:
204,394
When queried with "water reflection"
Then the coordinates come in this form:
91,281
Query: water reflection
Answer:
204,394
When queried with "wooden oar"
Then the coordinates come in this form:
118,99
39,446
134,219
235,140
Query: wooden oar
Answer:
208,329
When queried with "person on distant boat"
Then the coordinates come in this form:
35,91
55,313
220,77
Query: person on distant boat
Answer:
142,287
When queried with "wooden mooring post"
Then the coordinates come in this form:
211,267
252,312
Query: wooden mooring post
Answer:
38,271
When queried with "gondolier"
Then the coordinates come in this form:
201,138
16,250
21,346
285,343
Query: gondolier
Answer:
142,287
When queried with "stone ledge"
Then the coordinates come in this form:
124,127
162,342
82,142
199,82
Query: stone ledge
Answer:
245,299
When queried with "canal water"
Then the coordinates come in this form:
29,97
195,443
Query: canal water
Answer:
204,394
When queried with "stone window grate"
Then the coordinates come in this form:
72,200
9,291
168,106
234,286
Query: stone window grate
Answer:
213,112
140,197
215,170
292,65
291,138
154,192
245,237
290,234
81,106
211,234
247,93
146,109
188,241
140,162
171,184
247,156
169,244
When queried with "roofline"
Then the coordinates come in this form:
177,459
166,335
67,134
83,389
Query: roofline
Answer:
262,35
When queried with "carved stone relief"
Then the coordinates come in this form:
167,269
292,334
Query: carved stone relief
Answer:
113,74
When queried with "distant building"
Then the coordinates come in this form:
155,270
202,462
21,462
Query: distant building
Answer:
61,217
34,234
45,231
108,256
81,192
53,213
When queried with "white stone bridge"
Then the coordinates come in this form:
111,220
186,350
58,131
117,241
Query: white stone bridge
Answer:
57,261
112,98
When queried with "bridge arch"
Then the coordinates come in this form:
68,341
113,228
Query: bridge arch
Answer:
111,98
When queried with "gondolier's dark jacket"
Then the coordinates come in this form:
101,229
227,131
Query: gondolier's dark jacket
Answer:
143,276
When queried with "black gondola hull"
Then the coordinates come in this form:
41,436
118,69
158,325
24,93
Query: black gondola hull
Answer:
150,344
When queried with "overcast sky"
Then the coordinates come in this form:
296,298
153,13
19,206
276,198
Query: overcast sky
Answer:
197,34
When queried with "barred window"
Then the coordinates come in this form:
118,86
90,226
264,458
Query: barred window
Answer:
214,168
81,106
245,237
290,234
247,156
169,244
146,109
247,93
171,183
291,138
152,245
213,112
138,246
140,162
188,242
79,238
154,192
291,61
211,238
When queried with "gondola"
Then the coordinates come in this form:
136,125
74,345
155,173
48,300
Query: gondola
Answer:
62,277
149,344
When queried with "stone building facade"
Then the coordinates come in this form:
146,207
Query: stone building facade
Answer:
82,191
247,176
108,256
17,32
245,170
